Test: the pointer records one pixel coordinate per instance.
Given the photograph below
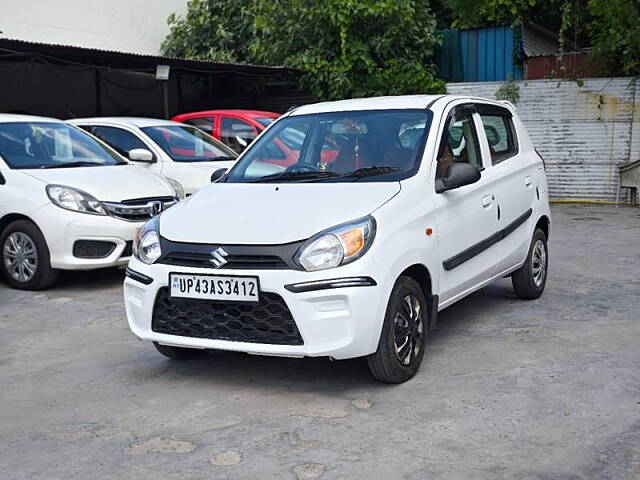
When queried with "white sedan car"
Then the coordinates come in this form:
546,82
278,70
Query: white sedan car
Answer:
393,209
174,150
68,201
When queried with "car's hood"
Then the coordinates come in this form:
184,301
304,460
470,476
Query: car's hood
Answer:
245,213
111,183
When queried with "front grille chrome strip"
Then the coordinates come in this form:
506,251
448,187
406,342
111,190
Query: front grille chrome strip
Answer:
132,212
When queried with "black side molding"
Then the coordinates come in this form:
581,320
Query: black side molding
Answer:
485,244
331,283
138,277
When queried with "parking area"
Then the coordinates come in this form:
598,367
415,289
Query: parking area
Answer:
547,389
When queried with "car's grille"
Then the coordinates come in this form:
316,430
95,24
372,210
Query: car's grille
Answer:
92,248
268,321
203,260
239,257
138,210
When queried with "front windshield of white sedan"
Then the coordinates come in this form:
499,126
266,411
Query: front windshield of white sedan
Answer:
188,144
376,146
25,145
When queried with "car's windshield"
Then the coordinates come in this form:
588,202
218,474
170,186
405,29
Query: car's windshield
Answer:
188,144
376,146
26,145
264,121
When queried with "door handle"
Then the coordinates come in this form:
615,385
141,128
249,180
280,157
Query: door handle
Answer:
528,181
487,201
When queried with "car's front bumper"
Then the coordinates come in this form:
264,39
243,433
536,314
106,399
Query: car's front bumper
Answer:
342,322
62,228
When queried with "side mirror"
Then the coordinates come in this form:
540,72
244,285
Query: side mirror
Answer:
218,174
456,176
140,155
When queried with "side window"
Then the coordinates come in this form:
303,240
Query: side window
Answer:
459,142
120,140
500,136
206,124
237,134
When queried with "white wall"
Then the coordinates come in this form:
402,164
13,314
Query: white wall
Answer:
135,26
583,130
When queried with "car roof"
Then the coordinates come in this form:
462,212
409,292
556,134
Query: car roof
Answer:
139,122
400,102
14,117
245,113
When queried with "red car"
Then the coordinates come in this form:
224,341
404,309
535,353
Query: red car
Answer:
235,128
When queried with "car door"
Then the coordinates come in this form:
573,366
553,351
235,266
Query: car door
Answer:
236,133
466,217
513,176
123,141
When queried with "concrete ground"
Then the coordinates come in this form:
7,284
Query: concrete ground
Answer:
509,389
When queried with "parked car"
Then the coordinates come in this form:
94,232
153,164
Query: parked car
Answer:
235,128
68,201
352,258
171,149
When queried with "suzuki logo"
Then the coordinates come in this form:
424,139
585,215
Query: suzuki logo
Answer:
217,257
155,207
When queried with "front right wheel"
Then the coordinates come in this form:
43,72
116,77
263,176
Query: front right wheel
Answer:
401,345
530,279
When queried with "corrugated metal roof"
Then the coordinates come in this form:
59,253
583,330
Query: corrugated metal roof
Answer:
537,41
115,58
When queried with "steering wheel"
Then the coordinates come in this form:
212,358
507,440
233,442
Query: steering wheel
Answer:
301,167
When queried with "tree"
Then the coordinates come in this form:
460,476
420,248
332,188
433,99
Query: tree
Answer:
216,30
344,48
351,48
615,34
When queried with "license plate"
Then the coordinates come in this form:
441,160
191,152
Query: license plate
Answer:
214,287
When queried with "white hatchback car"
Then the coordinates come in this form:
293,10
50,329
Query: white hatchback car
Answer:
396,208
174,150
68,201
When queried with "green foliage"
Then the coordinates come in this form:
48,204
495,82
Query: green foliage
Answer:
476,13
509,91
217,30
351,48
615,34
345,48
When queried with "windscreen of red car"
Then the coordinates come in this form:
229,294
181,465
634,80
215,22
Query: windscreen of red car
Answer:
188,144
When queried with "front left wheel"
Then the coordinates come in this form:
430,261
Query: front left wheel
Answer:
24,257
401,345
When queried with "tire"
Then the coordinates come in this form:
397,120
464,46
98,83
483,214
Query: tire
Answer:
178,353
530,279
23,240
387,364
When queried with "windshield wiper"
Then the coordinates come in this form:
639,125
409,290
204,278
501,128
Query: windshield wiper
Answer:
295,176
73,164
370,172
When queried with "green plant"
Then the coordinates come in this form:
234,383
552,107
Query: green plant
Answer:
351,48
509,91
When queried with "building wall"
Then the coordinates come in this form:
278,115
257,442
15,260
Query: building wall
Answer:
135,26
583,131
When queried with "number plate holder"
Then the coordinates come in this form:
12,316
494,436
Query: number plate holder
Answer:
243,288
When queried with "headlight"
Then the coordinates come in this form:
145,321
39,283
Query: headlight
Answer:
338,245
73,199
177,188
146,242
